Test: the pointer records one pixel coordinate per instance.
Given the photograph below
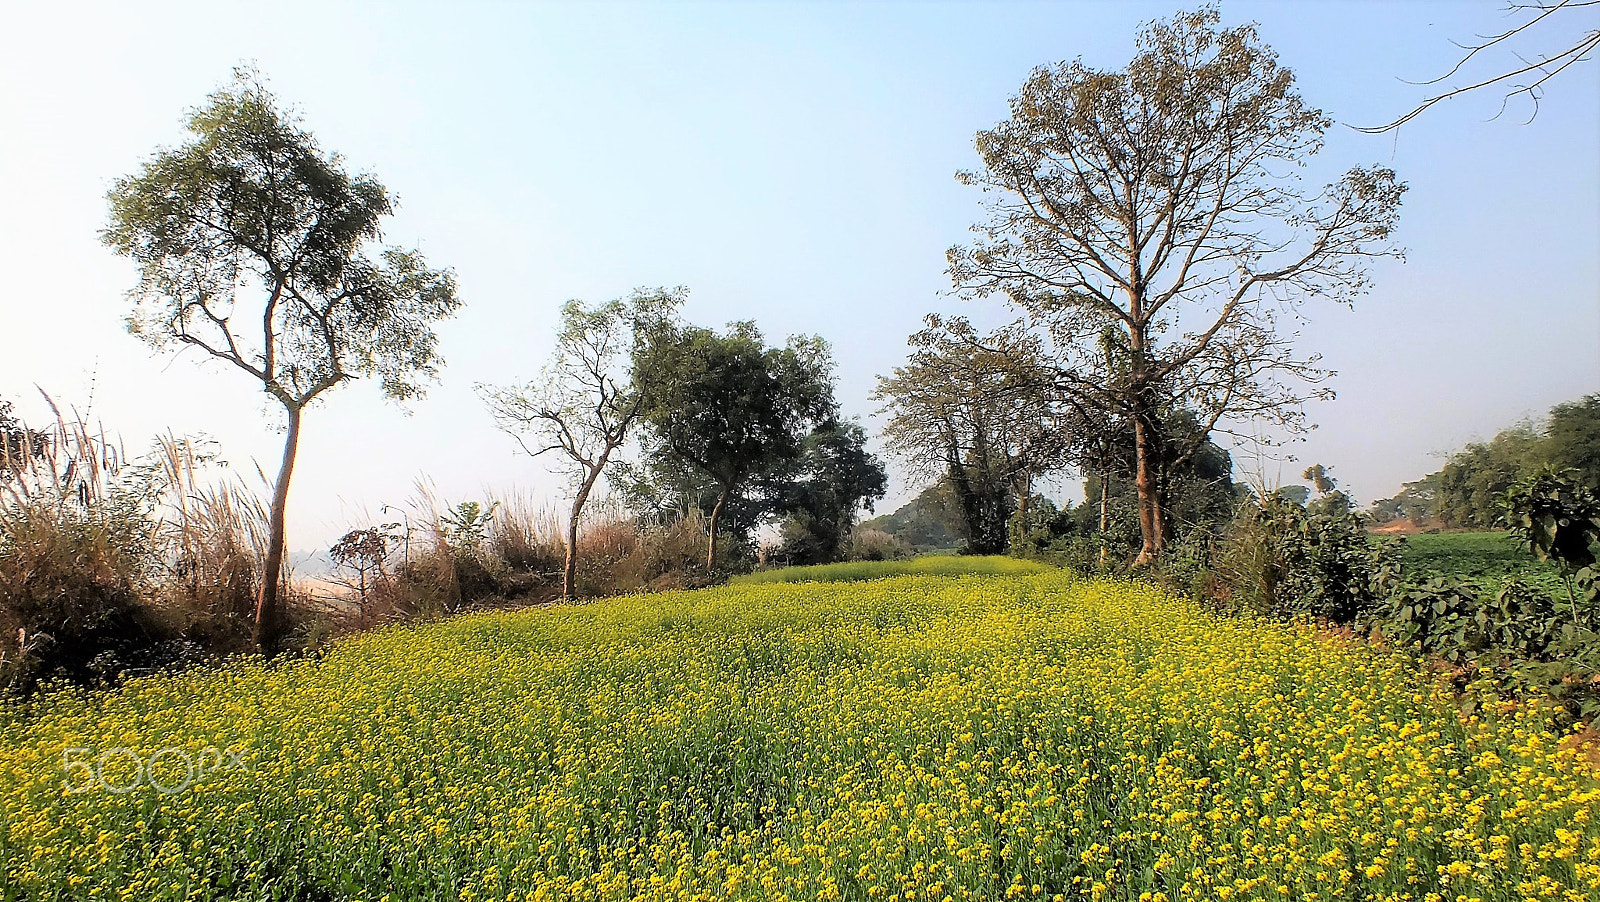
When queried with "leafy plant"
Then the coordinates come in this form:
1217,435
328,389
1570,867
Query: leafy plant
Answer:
1559,518
467,525
1281,559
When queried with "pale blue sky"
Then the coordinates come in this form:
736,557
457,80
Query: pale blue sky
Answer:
791,163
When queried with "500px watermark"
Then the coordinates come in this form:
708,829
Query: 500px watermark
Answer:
169,770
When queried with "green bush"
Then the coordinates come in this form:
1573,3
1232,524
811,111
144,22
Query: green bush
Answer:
1280,559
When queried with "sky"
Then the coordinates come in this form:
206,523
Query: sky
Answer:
791,163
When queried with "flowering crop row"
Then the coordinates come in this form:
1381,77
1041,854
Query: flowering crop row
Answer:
1031,737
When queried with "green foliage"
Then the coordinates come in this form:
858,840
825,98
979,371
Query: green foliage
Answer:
1557,516
1486,560
252,202
978,412
1572,439
931,565
1104,218
1521,636
836,476
1034,533
466,525
1198,493
1281,559
1518,607
1560,520
725,411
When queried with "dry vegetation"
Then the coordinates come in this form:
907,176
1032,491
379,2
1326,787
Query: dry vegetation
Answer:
112,564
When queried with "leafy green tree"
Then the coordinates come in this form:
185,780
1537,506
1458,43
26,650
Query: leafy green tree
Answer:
584,406
1468,489
727,409
837,476
1572,439
1162,201
256,247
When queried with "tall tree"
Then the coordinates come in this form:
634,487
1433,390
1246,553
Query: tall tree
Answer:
1160,201
255,247
584,405
729,408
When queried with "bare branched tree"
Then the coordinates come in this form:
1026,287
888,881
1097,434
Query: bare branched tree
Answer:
979,411
584,405
1527,80
1160,202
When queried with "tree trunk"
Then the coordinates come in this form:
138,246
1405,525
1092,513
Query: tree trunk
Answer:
1145,481
269,621
569,575
1105,513
711,541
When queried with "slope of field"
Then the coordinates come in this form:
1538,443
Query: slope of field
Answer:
916,738
1486,559
928,565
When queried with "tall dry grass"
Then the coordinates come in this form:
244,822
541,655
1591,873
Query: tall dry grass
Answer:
514,551
110,563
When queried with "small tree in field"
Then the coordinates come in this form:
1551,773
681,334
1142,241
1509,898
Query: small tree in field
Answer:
253,246
584,405
1161,202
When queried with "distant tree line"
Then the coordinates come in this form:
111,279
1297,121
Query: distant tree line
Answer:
1467,491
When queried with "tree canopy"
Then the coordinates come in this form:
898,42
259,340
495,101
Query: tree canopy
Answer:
727,408
259,249
1160,201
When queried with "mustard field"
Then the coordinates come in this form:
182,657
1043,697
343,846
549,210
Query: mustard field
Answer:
1001,737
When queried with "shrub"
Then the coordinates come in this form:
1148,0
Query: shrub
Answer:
70,594
1280,559
876,545
108,565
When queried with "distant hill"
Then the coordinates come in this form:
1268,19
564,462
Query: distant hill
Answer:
927,522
